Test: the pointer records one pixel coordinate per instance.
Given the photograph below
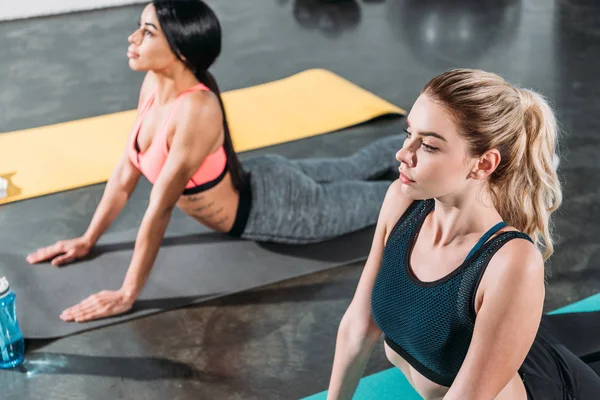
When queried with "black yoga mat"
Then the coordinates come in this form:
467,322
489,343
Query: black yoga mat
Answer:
193,265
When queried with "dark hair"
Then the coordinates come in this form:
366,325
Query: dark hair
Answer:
193,32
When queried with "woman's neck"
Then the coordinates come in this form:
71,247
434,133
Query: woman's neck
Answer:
172,82
455,217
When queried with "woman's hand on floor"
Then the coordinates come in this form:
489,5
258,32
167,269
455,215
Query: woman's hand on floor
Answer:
62,252
100,305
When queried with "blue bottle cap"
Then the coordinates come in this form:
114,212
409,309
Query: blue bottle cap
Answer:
4,288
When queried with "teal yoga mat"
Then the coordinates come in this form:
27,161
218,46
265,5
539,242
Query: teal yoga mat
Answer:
388,384
588,304
391,383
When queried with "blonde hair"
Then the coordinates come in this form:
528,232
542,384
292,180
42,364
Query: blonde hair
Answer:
490,113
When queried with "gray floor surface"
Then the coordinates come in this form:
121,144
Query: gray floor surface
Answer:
277,342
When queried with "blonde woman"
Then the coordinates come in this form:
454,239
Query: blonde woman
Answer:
455,277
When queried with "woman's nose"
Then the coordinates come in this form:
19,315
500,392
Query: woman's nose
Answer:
134,37
405,155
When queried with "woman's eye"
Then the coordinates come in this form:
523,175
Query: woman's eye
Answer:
429,148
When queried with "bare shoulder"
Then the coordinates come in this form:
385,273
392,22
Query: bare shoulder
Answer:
519,258
394,206
517,265
199,119
202,109
203,102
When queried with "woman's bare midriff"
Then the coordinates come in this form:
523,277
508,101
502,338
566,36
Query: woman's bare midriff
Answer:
215,208
514,390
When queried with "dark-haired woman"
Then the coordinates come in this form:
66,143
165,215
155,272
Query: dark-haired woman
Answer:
181,144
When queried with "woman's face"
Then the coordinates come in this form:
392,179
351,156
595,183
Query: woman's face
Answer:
434,159
148,46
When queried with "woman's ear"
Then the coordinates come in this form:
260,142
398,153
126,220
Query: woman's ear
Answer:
486,164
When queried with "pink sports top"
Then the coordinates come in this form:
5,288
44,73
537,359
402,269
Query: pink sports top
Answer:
151,161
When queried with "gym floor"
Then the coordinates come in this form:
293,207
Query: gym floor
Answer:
277,342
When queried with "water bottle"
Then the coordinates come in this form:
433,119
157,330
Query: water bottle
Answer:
12,345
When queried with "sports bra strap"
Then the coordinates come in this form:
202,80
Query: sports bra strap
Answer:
148,103
486,236
180,98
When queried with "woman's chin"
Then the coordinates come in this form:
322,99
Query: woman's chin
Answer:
135,66
412,192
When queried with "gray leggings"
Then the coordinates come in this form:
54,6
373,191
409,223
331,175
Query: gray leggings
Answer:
315,199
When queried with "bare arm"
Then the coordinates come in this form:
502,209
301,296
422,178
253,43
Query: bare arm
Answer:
506,323
358,333
196,135
116,194
121,183
117,191
199,125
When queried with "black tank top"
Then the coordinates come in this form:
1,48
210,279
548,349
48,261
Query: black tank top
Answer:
430,324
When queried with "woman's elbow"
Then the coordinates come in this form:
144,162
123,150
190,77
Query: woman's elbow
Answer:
358,330
162,202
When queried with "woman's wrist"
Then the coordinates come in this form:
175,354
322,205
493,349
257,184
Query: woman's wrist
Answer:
129,292
89,239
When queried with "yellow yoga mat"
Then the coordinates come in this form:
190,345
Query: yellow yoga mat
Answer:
73,154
